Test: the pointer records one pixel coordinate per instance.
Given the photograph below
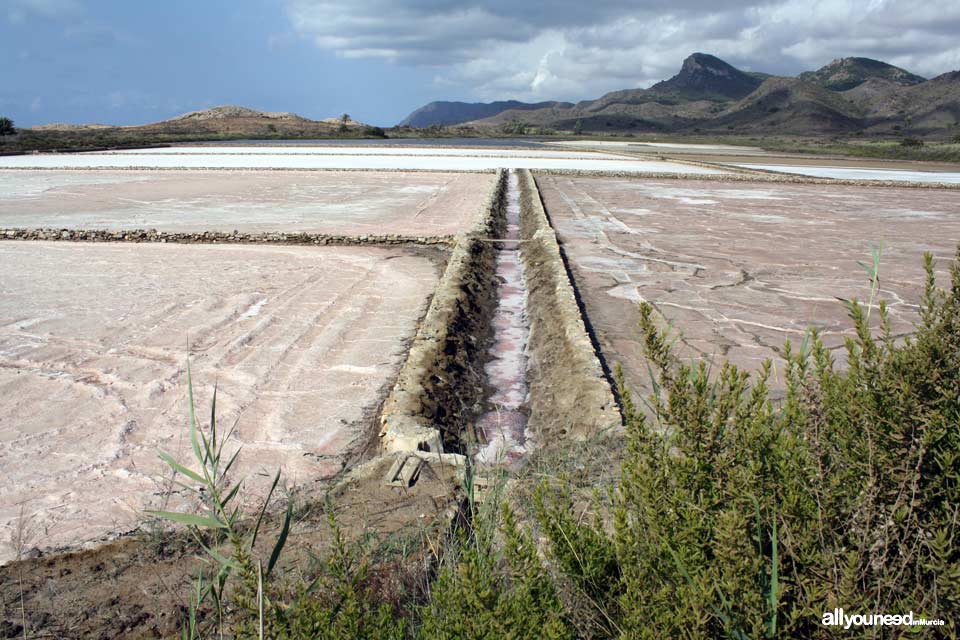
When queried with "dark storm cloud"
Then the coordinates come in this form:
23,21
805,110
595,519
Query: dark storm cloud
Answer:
576,49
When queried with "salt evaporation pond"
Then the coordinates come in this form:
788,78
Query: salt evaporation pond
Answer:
368,151
339,202
94,339
853,173
213,159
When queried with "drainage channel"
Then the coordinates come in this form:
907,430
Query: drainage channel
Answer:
502,428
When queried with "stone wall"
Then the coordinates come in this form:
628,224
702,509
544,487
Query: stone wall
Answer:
218,237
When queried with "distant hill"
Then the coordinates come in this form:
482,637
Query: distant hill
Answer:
846,73
449,113
218,123
233,120
708,94
227,119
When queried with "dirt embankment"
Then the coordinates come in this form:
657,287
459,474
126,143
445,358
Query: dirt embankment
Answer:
441,384
569,394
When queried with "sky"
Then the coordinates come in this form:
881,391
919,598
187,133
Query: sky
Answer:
138,61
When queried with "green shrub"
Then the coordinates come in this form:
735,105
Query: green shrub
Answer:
911,142
736,517
489,587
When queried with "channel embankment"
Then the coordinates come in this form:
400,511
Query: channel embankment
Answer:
570,396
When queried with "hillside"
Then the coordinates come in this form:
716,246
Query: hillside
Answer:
448,113
790,105
846,73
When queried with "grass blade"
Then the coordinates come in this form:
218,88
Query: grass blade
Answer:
193,416
179,468
263,510
281,539
774,583
190,519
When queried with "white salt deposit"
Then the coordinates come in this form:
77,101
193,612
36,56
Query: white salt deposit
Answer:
213,159
855,173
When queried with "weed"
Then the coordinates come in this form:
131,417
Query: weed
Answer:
240,596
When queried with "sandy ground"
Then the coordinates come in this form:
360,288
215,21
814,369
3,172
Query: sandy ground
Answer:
852,172
93,347
740,268
317,202
432,162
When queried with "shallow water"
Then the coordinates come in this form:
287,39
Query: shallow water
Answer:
503,428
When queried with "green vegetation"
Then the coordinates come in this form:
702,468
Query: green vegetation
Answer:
738,517
519,128
118,138
6,127
240,594
732,516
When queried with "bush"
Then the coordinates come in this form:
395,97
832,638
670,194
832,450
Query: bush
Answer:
6,127
738,518
485,590
514,127
915,143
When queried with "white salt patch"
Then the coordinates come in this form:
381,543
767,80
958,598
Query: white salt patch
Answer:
433,162
349,368
625,292
253,310
852,173
301,150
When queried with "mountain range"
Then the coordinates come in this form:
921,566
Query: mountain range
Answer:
708,94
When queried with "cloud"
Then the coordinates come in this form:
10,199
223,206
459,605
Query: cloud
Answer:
20,11
573,49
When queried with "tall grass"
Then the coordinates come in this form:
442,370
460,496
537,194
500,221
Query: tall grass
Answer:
238,594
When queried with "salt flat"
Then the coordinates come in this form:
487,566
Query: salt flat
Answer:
380,161
653,147
855,173
94,340
345,150
739,268
305,201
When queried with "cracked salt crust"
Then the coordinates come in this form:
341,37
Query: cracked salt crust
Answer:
738,276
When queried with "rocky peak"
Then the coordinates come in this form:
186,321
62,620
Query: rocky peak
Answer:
710,76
